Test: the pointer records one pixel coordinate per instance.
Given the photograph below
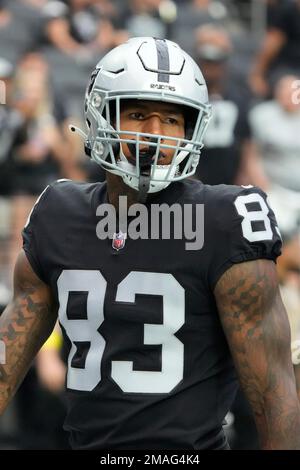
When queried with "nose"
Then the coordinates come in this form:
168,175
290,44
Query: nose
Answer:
153,125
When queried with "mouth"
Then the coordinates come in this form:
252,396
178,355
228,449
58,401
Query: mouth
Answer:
132,160
146,157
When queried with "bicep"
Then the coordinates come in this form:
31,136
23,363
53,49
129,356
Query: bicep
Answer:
32,302
24,326
256,326
248,298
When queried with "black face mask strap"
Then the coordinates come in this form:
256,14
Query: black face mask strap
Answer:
145,162
144,185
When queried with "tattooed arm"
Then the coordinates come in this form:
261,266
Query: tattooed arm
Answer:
258,334
24,326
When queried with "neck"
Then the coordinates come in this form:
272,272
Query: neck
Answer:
116,188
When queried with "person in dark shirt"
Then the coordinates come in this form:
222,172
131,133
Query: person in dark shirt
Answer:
81,29
280,49
227,136
11,127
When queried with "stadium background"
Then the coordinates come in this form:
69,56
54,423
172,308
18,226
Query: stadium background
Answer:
47,51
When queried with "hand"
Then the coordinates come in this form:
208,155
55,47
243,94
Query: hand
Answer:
33,152
51,370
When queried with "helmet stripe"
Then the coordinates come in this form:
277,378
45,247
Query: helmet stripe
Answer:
163,60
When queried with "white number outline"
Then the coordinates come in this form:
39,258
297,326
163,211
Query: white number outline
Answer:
254,216
94,284
122,372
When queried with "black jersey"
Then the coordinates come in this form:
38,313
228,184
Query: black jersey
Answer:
148,365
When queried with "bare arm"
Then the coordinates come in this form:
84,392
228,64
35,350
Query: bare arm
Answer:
24,326
258,334
58,32
50,368
251,169
272,45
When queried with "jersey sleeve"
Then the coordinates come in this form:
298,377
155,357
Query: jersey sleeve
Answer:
33,231
244,229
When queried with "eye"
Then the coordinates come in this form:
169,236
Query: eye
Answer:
136,115
171,120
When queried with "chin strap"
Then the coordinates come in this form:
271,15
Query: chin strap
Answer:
144,185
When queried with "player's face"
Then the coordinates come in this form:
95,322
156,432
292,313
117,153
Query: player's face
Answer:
156,118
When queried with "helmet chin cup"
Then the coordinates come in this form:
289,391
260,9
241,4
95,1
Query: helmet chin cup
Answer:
157,181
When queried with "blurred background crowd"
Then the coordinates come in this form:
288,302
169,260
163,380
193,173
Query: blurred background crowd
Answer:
249,53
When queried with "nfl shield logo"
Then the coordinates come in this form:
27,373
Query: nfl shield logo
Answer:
118,241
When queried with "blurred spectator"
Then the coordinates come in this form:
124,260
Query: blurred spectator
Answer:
40,403
36,3
280,49
228,131
273,164
81,28
145,18
195,13
20,28
11,123
276,153
42,154
51,370
112,10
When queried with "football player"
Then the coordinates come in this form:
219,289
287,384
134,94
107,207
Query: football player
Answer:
157,334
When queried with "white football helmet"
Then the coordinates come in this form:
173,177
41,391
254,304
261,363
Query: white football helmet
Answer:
145,69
